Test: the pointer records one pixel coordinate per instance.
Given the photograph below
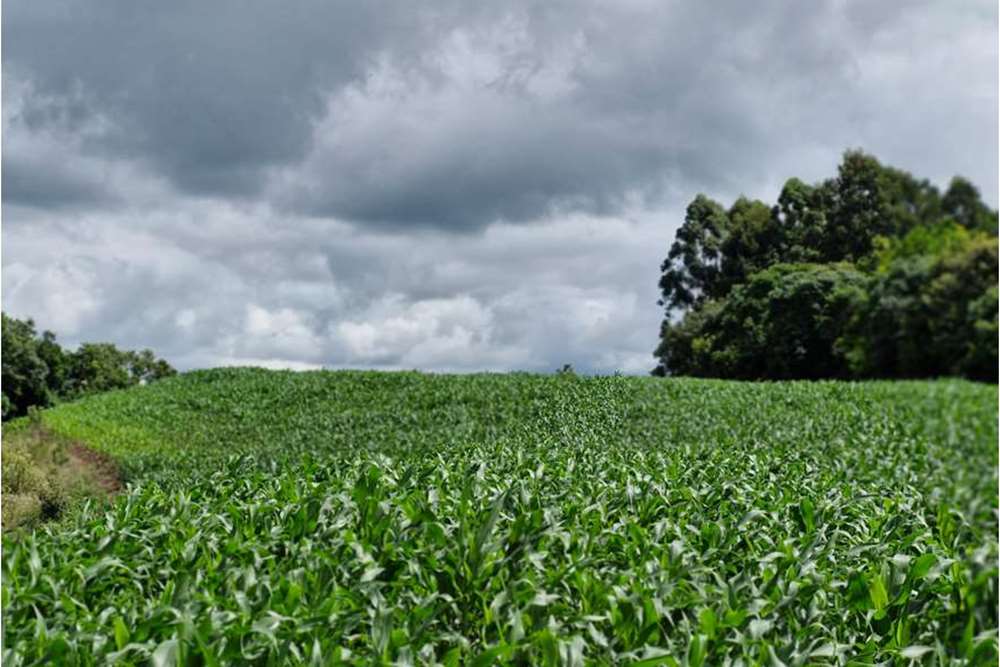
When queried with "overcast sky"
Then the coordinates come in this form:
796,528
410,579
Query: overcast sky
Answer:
443,186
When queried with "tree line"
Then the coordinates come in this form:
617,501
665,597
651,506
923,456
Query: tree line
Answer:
37,371
870,274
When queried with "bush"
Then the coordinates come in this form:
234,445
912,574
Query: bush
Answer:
21,475
32,486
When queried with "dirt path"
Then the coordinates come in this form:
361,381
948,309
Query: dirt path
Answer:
100,467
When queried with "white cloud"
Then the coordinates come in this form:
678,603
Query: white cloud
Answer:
447,333
60,296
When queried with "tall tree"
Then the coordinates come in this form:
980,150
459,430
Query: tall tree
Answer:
691,270
755,240
930,281
963,202
801,212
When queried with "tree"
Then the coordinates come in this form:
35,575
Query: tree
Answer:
801,213
24,371
781,324
855,212
964,204
686,346
754,241
889,334
56,361
691,270
97,367
980,361
930,316
869,200
144,367
862,271
963,296
930,240
37,371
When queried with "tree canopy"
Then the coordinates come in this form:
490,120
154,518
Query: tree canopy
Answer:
871,273
37,371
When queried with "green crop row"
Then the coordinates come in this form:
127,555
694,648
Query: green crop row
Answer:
367,518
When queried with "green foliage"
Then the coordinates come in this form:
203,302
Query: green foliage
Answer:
723,306
25,373
867,200
933,240
963,203
37,371
802,214
930,316
96,367
753,242
99,367
368,518
30,493
781,324
691,270
19,475
143,367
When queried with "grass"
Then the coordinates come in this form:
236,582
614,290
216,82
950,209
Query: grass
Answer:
373,518
45,475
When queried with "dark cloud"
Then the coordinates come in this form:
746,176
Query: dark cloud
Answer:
388,114
32,183
443,185
550,111
211,94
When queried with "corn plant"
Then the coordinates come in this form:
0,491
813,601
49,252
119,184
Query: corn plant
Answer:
407,519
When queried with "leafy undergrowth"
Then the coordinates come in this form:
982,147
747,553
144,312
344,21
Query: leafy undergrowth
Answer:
371,518
45,475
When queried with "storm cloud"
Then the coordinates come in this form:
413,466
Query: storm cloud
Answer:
447,185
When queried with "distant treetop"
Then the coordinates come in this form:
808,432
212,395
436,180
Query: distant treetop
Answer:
729,307
37,371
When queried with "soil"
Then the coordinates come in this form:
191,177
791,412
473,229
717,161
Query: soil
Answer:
100,467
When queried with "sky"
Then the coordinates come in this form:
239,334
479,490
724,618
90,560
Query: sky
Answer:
443,186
